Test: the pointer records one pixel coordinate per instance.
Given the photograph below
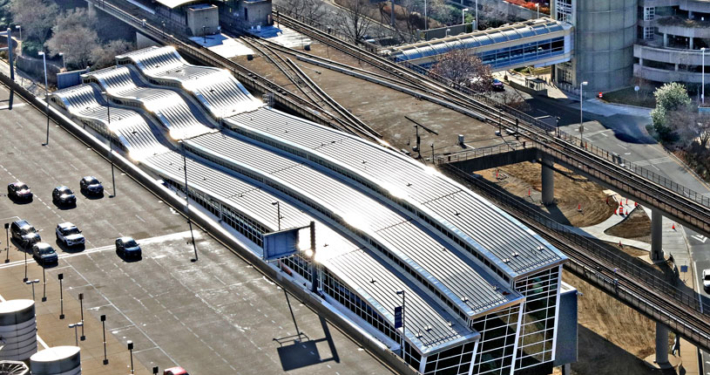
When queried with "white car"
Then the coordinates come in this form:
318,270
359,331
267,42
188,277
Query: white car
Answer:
706,280
69,234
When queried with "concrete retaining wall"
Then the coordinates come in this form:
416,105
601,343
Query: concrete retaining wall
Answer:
497,160
220,234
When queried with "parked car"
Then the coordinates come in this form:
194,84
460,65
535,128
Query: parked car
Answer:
62,195
175,371
24,233
44,253
706,280
69,234
91,185
497,85
19,191
128,247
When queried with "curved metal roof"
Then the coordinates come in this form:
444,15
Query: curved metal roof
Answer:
214,88
180,117
127,126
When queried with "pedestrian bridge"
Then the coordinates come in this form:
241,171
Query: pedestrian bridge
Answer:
538,42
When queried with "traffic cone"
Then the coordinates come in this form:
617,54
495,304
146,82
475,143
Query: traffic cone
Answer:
620,203
616,212
496,174
636,204
607,199
673,227
621,245
579,207
627,201
528,192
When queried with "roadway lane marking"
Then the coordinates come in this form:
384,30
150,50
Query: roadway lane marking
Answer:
701,239
13,106
145,241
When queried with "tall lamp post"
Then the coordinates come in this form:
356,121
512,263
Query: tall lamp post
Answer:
64,62
476,14
187,198
581,113
32,282
425,17
76,334
401,293
46,91
537,5
7,235
702,96
110,143
463,16
130,349
278,213
19,27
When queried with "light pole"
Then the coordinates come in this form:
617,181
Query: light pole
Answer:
463,16
433,160
476,14
76,335
64,62
401,293
110,143
130,349
447,32
187,199
103,323
278,213
81,308
46,92
19,27
32,282
204,35
7,235
581,113
537,5
44,284
61,296
425,18
25,279
702,96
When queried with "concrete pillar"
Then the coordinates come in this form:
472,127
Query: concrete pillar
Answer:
690,14
548,180
656,235
691,42
665,40
566,369
91,6
661,344
676,67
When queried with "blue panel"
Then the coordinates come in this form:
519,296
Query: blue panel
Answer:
280,244
397,317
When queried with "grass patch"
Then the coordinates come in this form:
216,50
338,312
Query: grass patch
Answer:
643,98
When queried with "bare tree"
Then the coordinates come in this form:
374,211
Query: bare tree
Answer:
35,16
463,68
74,36
310,9
353,19
104,56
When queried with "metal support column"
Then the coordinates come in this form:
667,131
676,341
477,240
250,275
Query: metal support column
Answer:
661,343
656,235
548,180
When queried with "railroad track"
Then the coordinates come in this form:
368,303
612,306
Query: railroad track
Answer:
692,212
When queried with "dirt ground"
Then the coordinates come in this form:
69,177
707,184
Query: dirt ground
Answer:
571,191
613,338
636,227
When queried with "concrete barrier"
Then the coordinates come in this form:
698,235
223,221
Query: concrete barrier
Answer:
214,229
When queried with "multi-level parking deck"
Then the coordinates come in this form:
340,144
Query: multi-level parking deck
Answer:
381,225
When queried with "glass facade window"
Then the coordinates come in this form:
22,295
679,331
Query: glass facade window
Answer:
523,53
496,348
649,13
537,331
563,11
649,33
454,361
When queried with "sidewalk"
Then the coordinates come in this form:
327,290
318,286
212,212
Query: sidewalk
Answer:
52,331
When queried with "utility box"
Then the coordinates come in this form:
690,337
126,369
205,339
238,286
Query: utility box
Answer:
203,19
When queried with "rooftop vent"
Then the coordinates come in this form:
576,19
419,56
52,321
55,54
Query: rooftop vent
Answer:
515,254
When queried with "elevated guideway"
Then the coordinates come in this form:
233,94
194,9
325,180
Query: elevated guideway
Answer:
539,42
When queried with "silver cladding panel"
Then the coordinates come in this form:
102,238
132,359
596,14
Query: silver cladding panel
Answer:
448,270
139,138
342,257
503,239
180,118
215,88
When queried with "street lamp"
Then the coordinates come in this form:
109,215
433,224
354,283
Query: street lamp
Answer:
278,213
81,304
32,282
187,198
46,92
581,113
7,235
702,96
537,5
463,16
44,284
110,143
76,335
61,296
476,14
19,27
447,32
401,293
425,17
130,349
103,323
25,279
64,62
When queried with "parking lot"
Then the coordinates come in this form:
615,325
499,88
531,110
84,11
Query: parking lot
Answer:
215,316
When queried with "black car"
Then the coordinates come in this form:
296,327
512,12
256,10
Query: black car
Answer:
91,185
19,191
44,253
128,247
24,233
62,195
